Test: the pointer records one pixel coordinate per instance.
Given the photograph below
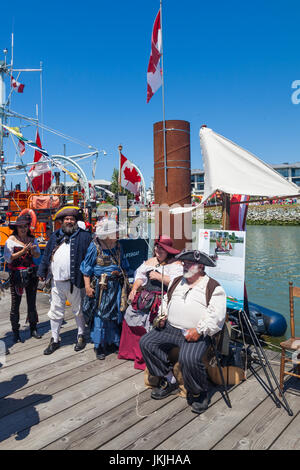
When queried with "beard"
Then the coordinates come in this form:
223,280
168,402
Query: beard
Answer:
193,270
190,272
68,228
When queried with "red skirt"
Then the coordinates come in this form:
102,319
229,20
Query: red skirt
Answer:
129,345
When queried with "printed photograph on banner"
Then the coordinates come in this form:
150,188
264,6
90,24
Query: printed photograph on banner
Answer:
228,249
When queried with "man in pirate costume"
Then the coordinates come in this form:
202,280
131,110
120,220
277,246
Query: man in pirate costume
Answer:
105,275
196,310
63,254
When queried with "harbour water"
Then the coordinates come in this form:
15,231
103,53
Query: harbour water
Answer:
272,260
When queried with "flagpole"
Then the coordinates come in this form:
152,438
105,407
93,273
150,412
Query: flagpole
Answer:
163,98
120,148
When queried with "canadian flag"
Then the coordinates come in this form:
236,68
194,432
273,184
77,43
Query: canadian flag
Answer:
19,87
21,147
40,174
154,73
130,178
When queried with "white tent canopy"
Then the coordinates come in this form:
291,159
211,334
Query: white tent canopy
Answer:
233,170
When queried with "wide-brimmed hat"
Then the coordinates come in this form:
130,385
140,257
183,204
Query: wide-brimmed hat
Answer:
196,256
108,227
167,244
73,211
23,219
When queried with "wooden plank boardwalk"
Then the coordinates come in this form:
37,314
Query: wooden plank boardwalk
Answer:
71,400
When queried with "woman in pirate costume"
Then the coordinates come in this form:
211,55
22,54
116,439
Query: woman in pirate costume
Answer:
151,279
19,252
104,272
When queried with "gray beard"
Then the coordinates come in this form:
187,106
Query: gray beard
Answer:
69,230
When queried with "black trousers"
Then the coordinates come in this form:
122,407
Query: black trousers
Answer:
155,346
32,315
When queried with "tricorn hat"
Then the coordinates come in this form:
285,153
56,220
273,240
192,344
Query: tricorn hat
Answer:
74,211
23,219
196,256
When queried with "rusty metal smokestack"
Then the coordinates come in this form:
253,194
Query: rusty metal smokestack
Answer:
178,189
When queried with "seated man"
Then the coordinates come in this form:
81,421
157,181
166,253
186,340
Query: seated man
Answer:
196,310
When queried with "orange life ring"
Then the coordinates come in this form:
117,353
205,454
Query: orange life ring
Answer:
33,217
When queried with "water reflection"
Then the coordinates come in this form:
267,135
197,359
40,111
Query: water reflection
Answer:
272,260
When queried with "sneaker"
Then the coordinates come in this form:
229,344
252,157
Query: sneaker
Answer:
52,347
164,389
81,343
200,402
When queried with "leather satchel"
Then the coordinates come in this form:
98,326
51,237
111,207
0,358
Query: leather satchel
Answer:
145,300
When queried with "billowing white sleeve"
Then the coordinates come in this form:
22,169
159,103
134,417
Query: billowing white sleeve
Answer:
141,273
8,250
214,318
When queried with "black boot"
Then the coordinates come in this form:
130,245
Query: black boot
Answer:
81,343
52,347
34,333
100,353
200,402
17,337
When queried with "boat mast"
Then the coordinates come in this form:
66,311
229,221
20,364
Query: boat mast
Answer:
3,70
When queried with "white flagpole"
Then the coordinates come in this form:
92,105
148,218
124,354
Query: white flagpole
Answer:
163,99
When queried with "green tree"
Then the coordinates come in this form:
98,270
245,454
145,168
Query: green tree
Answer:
118,190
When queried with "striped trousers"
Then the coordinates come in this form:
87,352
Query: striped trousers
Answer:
155,346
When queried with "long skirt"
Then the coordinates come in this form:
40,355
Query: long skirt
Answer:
107,319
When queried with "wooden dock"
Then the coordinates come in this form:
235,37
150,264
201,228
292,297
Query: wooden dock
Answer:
70,400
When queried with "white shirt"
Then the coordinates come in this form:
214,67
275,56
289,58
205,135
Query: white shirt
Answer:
187,307
172,270
61,263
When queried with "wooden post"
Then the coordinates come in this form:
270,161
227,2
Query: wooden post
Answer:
226,211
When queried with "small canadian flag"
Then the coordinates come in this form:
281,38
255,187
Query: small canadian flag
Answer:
21,147
19,87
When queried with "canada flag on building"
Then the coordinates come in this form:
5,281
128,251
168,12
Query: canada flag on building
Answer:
130,178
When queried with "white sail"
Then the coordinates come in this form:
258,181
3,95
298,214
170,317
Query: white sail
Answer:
234,170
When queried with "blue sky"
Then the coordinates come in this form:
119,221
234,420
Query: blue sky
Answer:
229,65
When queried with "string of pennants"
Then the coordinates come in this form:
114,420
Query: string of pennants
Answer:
16,132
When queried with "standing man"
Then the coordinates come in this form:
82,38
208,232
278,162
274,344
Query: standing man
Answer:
196,310
63,254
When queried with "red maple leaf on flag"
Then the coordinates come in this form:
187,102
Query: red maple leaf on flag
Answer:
132,175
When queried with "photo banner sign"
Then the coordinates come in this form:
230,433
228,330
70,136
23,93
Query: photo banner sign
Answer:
228,250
